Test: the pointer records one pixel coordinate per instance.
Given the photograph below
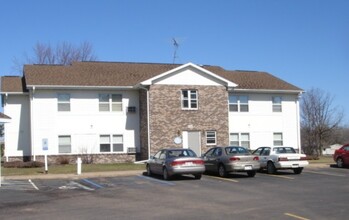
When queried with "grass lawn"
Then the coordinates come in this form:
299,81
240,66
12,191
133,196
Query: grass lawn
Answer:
71,168
323,159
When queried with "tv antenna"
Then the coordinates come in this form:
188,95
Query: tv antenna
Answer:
176,45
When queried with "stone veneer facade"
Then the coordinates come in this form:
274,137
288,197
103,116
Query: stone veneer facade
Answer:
168,119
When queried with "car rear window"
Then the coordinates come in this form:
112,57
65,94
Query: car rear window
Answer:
284,150
236,150
181,153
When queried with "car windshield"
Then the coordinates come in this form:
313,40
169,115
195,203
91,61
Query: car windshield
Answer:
181,153
236,150
284,150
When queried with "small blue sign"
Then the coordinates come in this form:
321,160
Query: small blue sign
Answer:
44,144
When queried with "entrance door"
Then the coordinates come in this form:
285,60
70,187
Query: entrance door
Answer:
191,140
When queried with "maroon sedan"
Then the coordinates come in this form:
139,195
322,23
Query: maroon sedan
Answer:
341,156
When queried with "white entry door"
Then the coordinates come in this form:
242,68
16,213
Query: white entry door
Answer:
191,140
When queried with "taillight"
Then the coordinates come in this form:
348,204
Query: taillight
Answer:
198,162
283,159
234,159
256,158
177,163
183,162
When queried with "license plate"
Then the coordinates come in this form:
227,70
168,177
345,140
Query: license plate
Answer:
188,164
248,167
295,165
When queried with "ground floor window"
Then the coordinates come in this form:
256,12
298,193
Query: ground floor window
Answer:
278,139
211,137
240,139
111,143
64,144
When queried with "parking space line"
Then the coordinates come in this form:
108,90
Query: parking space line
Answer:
92,183
33,184
285,177
329,174
296,216
156,180
225,179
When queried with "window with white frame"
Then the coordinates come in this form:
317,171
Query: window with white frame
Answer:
238,103
278,140
240,139
64,144
277,103
110,102
189,99
211,137
111,143
63,101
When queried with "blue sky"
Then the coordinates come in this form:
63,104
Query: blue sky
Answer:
305,42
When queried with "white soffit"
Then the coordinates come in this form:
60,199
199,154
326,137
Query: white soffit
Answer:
188,74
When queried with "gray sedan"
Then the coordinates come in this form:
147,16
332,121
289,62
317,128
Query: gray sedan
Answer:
229,159
175,161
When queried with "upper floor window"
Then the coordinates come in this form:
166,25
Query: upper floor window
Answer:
63,102
64,144
238,103
210,137
278,140
110,102
240,139
189,99
277,106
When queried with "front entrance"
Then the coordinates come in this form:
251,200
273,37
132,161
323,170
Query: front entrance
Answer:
191,140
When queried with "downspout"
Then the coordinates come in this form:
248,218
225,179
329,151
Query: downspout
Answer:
298,123
148,119
32,122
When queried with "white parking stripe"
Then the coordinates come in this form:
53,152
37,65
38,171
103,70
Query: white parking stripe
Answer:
296,216
280,176
225,179
324,173
156,180
30,181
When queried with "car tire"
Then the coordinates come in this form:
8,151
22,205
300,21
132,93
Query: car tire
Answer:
298,170
197,176
271,168
149,173
221,171
251,173
165,175
339,162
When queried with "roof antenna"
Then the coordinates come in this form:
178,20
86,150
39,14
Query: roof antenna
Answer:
176,45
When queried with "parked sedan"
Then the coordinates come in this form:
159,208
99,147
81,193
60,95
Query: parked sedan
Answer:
277,158
224,160
175,161
341,156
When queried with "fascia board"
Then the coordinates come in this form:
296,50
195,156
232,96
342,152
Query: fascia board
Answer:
269,91
78,87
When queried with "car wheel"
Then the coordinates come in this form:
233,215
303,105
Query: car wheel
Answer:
165,174
340,162
197,176
221,171
298,170
251,173
271,168
149,173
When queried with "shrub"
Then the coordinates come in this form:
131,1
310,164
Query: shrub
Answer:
21,164
63,160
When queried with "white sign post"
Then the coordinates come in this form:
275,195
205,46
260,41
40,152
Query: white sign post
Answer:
45,149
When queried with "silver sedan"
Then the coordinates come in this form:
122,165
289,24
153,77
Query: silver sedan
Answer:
175,161
229,159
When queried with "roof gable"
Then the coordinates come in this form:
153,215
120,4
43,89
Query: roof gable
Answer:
188,74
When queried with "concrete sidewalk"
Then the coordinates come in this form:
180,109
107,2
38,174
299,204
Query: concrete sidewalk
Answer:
110,174
75,176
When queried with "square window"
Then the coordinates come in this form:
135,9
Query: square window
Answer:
64,144
104,143
189,99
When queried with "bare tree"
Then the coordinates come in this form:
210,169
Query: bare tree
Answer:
64,53
320,120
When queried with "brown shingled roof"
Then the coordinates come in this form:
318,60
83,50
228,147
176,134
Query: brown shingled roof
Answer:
13,84
130,74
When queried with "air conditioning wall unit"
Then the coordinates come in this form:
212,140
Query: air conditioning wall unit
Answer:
131,109
131,150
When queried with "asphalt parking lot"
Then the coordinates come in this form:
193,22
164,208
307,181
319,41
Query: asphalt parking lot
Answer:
317,193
